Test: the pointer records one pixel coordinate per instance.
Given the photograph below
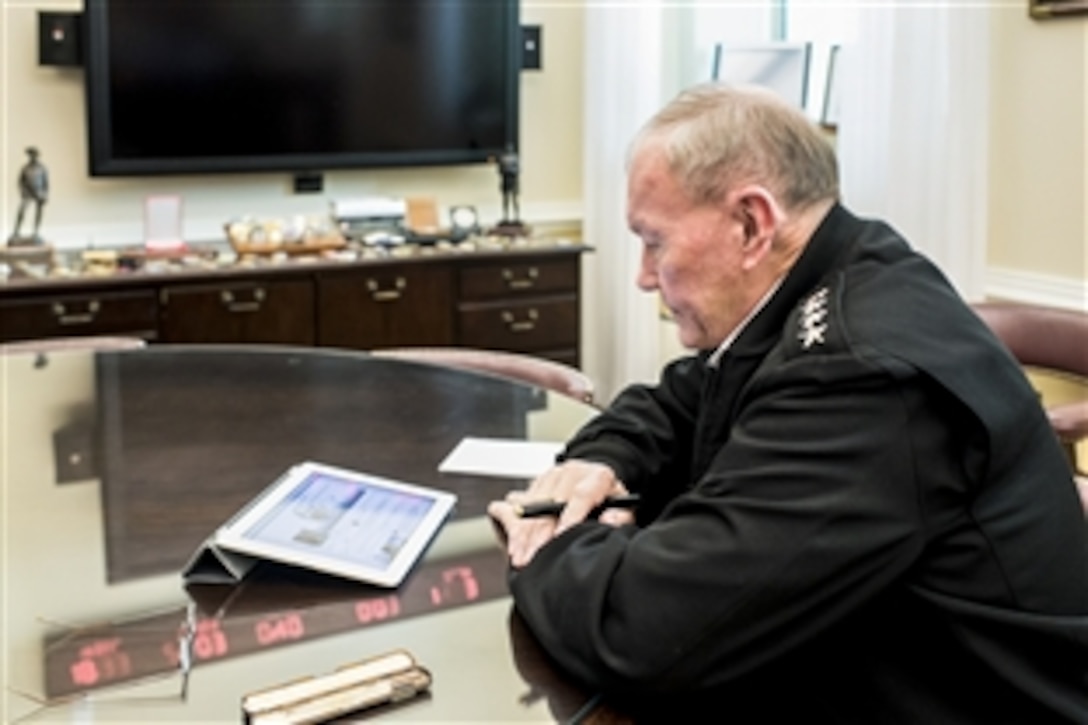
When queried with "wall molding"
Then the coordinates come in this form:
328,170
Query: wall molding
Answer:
1036,288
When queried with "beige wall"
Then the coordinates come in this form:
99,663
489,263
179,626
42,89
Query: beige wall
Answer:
44,107
1039,202
1039,191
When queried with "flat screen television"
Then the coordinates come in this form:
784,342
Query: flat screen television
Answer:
205,86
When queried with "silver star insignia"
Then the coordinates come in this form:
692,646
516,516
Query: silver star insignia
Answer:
813,314
814,335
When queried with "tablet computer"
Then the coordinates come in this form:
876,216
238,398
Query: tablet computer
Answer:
339,521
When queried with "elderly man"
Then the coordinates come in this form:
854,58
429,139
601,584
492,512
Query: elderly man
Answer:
853,509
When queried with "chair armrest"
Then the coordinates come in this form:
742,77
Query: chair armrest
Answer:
1070,421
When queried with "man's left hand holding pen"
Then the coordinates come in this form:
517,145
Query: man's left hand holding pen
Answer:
583,485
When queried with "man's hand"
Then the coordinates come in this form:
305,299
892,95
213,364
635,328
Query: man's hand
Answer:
581,484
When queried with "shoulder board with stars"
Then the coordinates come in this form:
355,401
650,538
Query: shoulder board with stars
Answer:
812,324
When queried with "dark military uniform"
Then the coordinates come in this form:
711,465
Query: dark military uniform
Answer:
861,515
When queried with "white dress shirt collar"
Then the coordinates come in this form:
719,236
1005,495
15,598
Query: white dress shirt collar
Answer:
716,356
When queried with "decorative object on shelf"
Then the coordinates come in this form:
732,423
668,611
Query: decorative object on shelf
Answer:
299,235
511,225
100,262
383,238
31,260
33,189
421,217
162,223
421,224
1056,8
356,218
464,222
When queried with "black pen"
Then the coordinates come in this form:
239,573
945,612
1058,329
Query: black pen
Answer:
554,508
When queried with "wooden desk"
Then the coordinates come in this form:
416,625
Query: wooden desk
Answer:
91,549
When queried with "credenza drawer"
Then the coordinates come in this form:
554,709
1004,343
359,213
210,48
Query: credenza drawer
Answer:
387,306
270,311
537,324
518,277
109,313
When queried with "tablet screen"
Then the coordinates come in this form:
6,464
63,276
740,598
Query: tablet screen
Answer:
340,521
343,519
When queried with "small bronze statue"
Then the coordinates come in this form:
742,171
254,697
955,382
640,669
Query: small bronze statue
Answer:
508,171
510,225
33,189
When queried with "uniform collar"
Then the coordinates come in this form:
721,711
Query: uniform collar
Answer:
763,326
716,356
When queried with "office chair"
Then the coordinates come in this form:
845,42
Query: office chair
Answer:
1056,341
543,373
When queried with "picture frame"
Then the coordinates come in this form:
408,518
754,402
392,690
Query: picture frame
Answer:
162,222
781,66
1044,9
829,115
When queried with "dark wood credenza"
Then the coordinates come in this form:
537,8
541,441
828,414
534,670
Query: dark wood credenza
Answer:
520,298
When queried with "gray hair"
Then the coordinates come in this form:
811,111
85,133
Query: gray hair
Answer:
716,136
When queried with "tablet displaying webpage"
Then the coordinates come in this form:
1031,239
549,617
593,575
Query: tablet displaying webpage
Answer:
340,521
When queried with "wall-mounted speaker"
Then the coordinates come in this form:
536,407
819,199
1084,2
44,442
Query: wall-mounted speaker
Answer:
532,52
60,39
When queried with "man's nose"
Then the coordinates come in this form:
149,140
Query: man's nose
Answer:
647,274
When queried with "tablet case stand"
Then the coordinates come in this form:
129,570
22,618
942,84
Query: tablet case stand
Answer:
212,564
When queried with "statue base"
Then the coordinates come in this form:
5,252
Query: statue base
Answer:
24,241
508,228
26,254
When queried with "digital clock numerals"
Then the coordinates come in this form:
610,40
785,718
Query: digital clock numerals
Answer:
379,609
153,645
457,585
280,628
100,662
209,642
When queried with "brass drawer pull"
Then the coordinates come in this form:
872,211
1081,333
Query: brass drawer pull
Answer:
236,305
520,282
386,295
515,325
64,317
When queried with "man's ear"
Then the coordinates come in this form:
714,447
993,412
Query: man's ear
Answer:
760,216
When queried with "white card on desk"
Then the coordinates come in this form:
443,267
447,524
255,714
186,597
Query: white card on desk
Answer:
501,457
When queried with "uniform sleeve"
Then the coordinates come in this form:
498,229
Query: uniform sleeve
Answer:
646,433
809,510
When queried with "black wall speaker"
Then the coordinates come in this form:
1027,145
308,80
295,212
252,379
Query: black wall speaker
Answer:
60,39
532,52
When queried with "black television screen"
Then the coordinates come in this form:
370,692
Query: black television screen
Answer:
197,86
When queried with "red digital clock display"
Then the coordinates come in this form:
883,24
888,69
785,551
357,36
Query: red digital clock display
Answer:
258,615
